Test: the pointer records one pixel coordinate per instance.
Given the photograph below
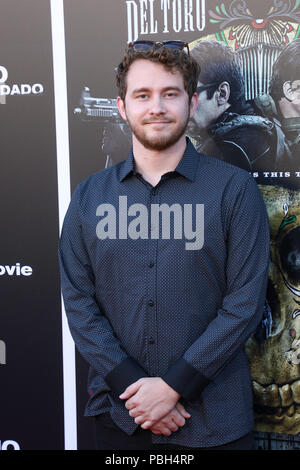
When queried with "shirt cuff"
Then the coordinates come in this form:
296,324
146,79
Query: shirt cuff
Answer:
124,374
186,380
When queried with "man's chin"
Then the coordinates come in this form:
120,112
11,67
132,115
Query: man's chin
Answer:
158,140
159,144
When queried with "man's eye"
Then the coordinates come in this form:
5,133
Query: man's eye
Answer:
142,96
171,94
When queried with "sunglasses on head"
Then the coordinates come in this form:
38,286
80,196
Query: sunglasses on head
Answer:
147,45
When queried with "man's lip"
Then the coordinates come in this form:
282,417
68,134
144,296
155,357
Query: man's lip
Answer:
157,122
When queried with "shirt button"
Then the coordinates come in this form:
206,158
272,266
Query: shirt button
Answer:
151,340
151,264
150,303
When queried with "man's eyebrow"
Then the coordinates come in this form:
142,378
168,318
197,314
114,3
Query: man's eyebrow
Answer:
139,90
176,88
145,89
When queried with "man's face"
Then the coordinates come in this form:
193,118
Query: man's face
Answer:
206,113
290,104
209,110
156,105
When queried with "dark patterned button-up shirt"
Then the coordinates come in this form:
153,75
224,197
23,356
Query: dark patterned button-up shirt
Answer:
168,281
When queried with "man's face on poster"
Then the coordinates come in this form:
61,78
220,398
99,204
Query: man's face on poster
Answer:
209,107
290,102
206,113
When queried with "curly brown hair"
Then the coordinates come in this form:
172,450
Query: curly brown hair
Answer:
171,59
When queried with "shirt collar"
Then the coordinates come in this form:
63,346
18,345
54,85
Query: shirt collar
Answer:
187,166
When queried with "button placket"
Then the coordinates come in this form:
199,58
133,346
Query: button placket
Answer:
151,291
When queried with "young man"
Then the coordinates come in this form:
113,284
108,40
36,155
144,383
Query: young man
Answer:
164,262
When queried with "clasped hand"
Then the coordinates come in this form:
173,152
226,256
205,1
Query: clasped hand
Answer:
154,405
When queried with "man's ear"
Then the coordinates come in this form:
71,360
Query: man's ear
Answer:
194,104
288,91
223,93
121,108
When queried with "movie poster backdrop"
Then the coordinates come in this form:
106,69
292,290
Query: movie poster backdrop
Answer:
33,363
96,37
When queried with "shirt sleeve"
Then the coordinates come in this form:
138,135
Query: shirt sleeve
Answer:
242,306
90,329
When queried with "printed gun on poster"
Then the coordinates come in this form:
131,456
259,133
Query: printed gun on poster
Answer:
104,109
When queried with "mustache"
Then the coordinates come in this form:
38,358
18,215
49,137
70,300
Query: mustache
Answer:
153,120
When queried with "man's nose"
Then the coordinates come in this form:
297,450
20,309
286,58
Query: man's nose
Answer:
157,105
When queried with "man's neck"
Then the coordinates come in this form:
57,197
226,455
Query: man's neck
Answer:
152,164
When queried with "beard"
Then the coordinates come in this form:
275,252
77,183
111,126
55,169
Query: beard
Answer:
161,140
